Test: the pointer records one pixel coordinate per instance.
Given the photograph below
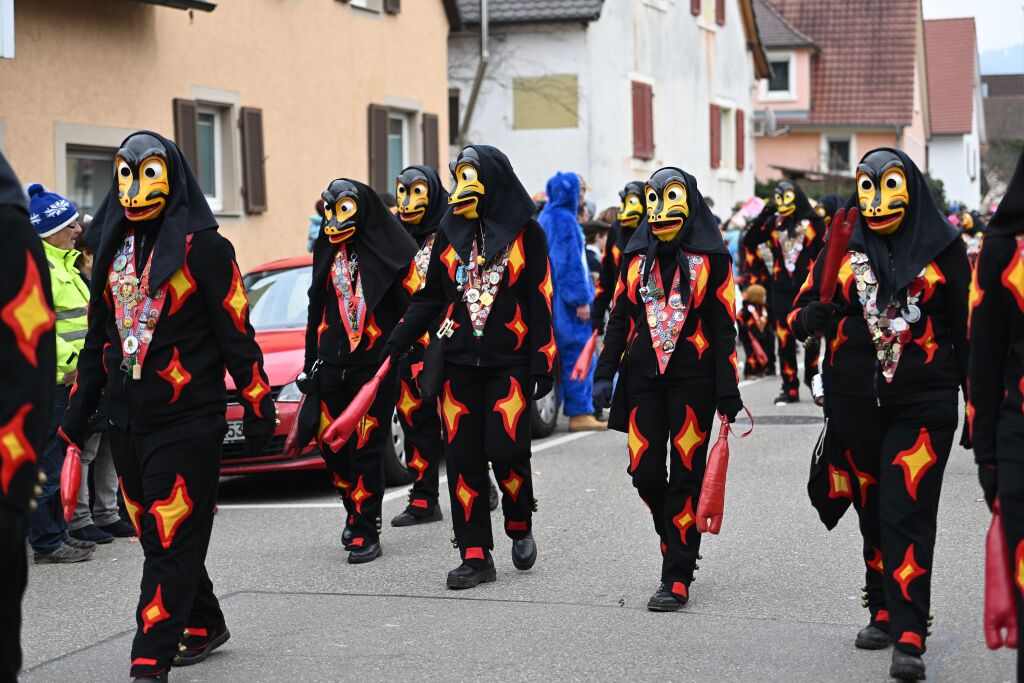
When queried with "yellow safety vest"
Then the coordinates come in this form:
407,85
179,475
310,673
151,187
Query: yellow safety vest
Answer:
71,304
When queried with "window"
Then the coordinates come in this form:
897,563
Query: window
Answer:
7,29
643,120
837,152
397,144
779,82
782,84
545,102
90,172
372,5
209,171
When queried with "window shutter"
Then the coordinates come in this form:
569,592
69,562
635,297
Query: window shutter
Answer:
643,121
392,6
186,131
741,138
254,176
695,7
720,12
378,141
431,156
453,115
716,136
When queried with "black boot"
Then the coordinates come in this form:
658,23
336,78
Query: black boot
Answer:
346,537
195,647
791,396
414,515
872,638
495,498
365,553
665,600
468,576
524,552
906,667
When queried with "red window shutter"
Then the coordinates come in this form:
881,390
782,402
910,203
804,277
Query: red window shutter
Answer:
695,7
716,137
741,138
643,121
720,12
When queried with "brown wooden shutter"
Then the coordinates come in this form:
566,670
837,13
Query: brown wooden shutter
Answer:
431,156
453,115
186,131
695,7
720,12
378,143
254,177
392,6
741,138
643,121
716,136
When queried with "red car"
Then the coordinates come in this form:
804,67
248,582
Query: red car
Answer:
278,310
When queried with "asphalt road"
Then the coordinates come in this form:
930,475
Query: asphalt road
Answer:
777,597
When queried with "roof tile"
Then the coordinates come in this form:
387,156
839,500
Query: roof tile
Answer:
530,11
951,52
775,31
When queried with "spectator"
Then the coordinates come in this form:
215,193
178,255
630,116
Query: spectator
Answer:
56,222
711,205
315,221
84,262
596,234
573,294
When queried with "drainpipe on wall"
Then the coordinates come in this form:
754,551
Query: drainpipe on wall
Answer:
481,67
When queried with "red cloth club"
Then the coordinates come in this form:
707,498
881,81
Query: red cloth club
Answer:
758,351
711,507
838,239
70,480
582,367
339,431
291,445
1000,606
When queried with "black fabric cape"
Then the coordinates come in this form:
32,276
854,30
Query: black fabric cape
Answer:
382,243
187,212
924,234
830,204
436,209
504,209
1009,217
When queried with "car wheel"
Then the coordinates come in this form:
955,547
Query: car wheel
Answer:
396,471
544,414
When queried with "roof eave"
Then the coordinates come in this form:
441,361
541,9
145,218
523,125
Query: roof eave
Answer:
762,69
201,5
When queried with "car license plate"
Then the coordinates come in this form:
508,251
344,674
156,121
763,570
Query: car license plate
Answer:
234,434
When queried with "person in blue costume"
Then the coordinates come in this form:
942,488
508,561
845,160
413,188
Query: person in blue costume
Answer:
574,290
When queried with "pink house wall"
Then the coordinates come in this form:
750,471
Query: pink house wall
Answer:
915,138
869,141
802,74
795,150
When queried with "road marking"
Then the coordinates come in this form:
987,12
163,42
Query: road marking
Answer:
397,493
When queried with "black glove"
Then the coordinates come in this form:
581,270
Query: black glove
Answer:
817,317
389,351
542,385
306,381
989,480
602,393
730,406
597,324
965,434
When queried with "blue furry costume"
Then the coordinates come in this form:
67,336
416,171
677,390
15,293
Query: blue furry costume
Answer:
572,284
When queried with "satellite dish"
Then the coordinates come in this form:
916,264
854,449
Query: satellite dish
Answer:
770,125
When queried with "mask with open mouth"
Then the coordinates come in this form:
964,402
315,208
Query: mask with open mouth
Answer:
882,191
667,203
631,205
341,206
422,200
143,180
785,196
469,190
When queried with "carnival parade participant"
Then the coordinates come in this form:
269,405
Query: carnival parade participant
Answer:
973,232
422,200
363,276
631,212
672,340
900,310
28,356
492,355
755,325
573,294
794,234
997,374
167,313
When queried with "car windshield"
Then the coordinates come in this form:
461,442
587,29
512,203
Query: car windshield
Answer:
277,298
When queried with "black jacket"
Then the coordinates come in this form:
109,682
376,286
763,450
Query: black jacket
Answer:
618,238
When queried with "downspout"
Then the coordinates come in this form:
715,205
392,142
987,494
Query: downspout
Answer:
481,67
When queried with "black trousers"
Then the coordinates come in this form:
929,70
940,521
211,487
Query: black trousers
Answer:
1010,440
13,579
897,456
422,426
486,417
357,470
782,304
680,412
766,339
168,479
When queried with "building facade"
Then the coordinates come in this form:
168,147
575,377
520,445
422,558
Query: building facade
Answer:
268,100
614,90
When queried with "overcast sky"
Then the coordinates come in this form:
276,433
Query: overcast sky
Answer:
1000,22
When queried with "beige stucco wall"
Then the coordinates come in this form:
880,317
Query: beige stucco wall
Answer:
311,66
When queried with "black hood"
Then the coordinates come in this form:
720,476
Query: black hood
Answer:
622,233
186,212
804,210
829,205
1009,217
383,246
431,220
11,193
923,234
504,209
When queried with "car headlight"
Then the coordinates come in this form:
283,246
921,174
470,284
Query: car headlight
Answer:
290,393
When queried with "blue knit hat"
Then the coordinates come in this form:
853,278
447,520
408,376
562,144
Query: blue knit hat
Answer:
48,211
